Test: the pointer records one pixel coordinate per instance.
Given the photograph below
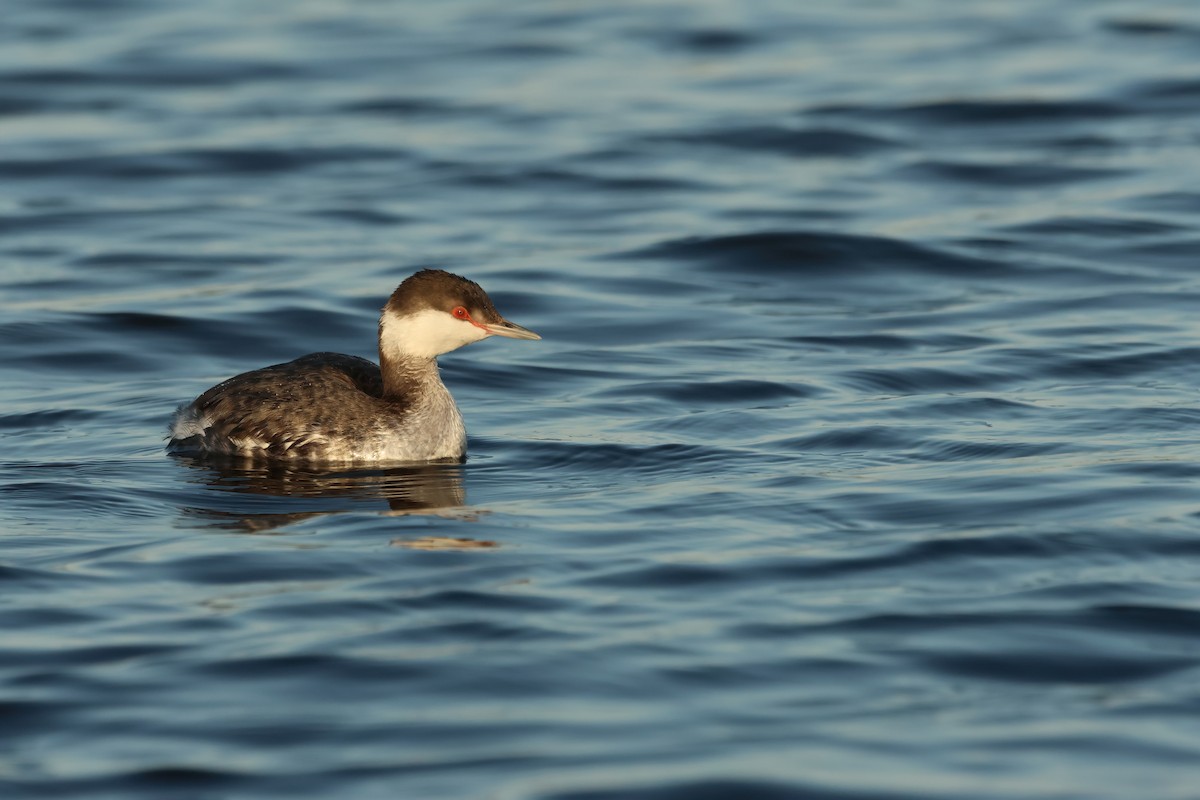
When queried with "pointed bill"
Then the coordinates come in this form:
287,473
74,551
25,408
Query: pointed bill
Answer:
510,329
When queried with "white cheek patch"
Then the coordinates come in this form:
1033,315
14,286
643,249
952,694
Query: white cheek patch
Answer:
426,334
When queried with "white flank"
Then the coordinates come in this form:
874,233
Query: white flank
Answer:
187,423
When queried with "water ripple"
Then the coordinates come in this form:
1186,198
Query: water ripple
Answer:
866,399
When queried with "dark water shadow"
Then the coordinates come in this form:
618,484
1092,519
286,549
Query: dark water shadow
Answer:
255,498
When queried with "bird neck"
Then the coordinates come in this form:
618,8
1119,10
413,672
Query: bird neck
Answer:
406,376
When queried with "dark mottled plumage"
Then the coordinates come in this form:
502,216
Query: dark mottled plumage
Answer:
250,405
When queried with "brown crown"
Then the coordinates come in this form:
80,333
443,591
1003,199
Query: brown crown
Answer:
442,291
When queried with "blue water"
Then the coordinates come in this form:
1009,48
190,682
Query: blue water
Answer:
859,460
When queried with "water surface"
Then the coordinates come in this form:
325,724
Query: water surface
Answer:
859,458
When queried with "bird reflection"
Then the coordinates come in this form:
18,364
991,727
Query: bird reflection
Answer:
246,492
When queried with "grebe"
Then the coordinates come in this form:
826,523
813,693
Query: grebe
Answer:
339,408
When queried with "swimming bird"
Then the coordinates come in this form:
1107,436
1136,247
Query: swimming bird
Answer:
329,407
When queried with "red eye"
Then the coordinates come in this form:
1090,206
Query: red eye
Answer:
460,313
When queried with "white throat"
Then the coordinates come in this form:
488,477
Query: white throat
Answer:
425,334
